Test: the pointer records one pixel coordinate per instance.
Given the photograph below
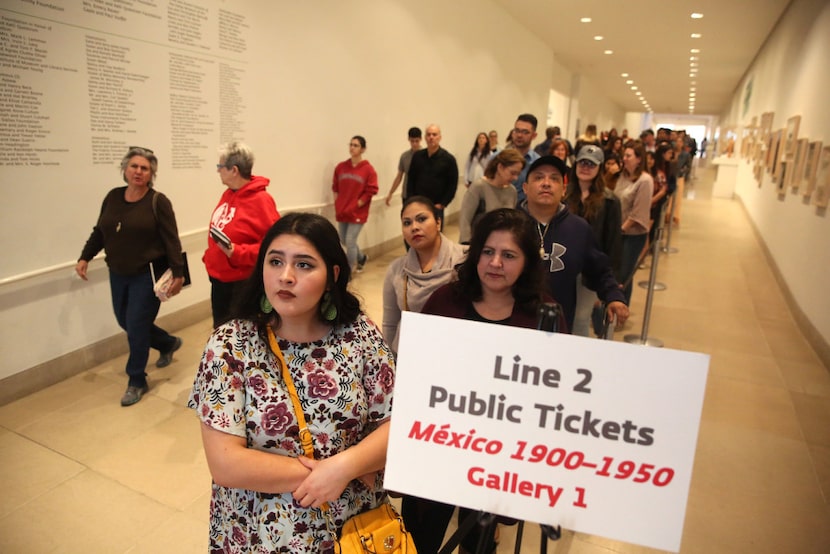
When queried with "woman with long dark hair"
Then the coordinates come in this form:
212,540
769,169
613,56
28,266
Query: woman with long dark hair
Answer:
500,283
586,197
295,314
477,161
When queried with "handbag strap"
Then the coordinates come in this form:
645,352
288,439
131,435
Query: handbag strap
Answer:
305,434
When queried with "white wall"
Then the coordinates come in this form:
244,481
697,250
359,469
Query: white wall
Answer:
596,108
314,74
790,77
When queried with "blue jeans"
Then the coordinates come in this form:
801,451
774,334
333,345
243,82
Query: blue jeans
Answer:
632,247
348,234
136,307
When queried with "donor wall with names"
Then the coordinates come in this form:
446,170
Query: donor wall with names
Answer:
596,436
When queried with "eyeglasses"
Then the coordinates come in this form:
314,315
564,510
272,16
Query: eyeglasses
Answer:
220,166
141,148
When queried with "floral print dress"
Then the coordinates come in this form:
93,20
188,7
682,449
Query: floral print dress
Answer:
344,382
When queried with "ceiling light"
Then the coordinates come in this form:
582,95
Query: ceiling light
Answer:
629,82
693,64
608,52
633,87
585,20
638,93
695,50
692,74
693,58
697,15
694,82
598,37
692,88
623,75
693,35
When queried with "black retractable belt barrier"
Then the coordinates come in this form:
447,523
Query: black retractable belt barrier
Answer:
643,337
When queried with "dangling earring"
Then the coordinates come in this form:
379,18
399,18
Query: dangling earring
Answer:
327,308
265,305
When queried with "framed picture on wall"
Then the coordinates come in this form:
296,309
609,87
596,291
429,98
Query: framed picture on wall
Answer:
791,135
766,125
784,168
772,150
821,194
775,154
797,174
808,182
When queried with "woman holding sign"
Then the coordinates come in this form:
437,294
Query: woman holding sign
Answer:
500,283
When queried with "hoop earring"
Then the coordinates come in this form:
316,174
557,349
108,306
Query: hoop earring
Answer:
265,305
327,308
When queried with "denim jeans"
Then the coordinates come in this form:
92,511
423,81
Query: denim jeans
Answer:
632,247
348,234
136,307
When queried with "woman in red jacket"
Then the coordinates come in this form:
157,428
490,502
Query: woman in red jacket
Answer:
354,184
244,213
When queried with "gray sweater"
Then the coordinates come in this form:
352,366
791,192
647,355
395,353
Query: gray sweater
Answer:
405,273
482,194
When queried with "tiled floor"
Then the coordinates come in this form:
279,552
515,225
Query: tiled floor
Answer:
79,473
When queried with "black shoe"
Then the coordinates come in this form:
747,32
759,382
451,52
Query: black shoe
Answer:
361,263
166,357
133,395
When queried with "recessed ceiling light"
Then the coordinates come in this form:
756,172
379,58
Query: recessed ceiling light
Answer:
697,15
693,64
623,75
585,20
696,35
695,50
692,88
598,37
633,87
638,93
629,82
608,52
693,58
692,74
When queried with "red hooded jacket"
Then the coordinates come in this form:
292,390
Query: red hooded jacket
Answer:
245,215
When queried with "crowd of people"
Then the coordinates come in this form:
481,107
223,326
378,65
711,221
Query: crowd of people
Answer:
553,224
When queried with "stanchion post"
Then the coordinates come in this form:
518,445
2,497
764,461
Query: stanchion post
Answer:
651,284
643,337
668,248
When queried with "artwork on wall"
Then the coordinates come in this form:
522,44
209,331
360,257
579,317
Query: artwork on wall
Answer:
808,182
783,170
821,194
797,174
772,150
774,164
791,135
766,125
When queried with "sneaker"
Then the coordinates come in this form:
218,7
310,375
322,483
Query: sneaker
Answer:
361,263
133,395
166,357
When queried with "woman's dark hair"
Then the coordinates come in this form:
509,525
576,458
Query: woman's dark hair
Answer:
361,140
475,152
528,289
323,237
660,163
653,170
591,206
418,199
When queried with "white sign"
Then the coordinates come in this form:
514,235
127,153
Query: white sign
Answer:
595,436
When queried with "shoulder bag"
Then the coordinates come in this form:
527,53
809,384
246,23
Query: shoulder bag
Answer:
376,531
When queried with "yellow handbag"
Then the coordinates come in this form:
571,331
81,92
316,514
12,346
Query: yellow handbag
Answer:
376,531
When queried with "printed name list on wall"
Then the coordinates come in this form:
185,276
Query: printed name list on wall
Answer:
82,81
596,436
